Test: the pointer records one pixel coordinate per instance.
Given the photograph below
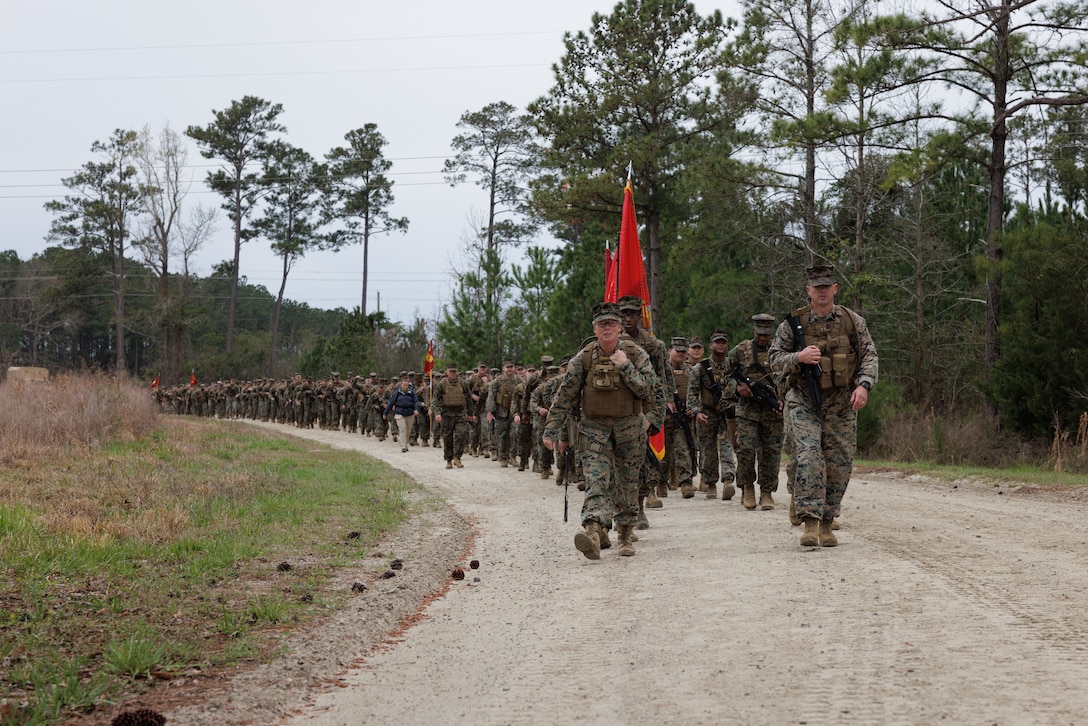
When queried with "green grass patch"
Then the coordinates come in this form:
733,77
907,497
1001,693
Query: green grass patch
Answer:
952,472
160,554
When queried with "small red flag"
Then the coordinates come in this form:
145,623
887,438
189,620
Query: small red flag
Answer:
192,378
428,360
155,383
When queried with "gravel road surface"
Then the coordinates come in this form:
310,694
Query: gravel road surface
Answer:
961,603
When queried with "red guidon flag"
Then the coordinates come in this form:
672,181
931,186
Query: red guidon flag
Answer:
192,378
428,360
627,276
155,383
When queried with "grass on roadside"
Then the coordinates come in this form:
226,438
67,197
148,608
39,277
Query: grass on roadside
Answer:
158,555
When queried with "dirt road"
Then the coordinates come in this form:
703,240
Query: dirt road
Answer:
963,603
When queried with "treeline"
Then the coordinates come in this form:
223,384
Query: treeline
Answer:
936,157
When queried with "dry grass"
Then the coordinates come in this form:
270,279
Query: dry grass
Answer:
969,439
78,411
114,521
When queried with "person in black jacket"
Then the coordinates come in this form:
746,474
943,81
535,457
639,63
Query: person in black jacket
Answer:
403,404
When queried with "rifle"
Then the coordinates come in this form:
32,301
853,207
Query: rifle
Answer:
680,416
762,391
566,481
809,372
713,386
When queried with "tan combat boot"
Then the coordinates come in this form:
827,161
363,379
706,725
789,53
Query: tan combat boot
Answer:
748,496
687,491
728,490
449,464
827,537
794,519
504,463
766,501
711,491
627,547
588,541
662,490
653,502
546,473
642,522
811,536
605,541
834,524
457,462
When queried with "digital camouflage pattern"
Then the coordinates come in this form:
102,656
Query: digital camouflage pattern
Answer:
823,449
614,448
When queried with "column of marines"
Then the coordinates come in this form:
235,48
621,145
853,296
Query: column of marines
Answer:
792,388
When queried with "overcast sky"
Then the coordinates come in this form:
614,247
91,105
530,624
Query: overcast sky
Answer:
73,71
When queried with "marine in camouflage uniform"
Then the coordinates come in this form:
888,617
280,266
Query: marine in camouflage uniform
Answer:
678,454
454,410
615,384
540,404
501,400
759,426
838,344
523,429
478,383
651,480
709,407
535,446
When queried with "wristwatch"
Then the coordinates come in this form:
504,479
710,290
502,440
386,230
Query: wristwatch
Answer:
866,385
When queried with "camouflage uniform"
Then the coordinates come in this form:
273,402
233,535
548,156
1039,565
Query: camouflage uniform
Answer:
501,401
455,416
759,427
715,448
824,440
615,447
677,461
541,400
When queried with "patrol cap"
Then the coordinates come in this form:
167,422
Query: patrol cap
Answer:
372,374
404,376
553,370
481,364
820,275
451,367
680,344
606,311
719,335
546,360
507,362
411,374
695,341
493,371
763,324
630,303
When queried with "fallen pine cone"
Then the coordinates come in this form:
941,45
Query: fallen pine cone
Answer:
396,565
284,567
139,717
475,564
387,574
353,535
458,573
358,587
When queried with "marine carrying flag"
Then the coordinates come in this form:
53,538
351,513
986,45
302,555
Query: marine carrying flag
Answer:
625,274
428,360
192,378
155,383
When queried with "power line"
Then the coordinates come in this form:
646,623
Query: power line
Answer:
270,43
269,74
